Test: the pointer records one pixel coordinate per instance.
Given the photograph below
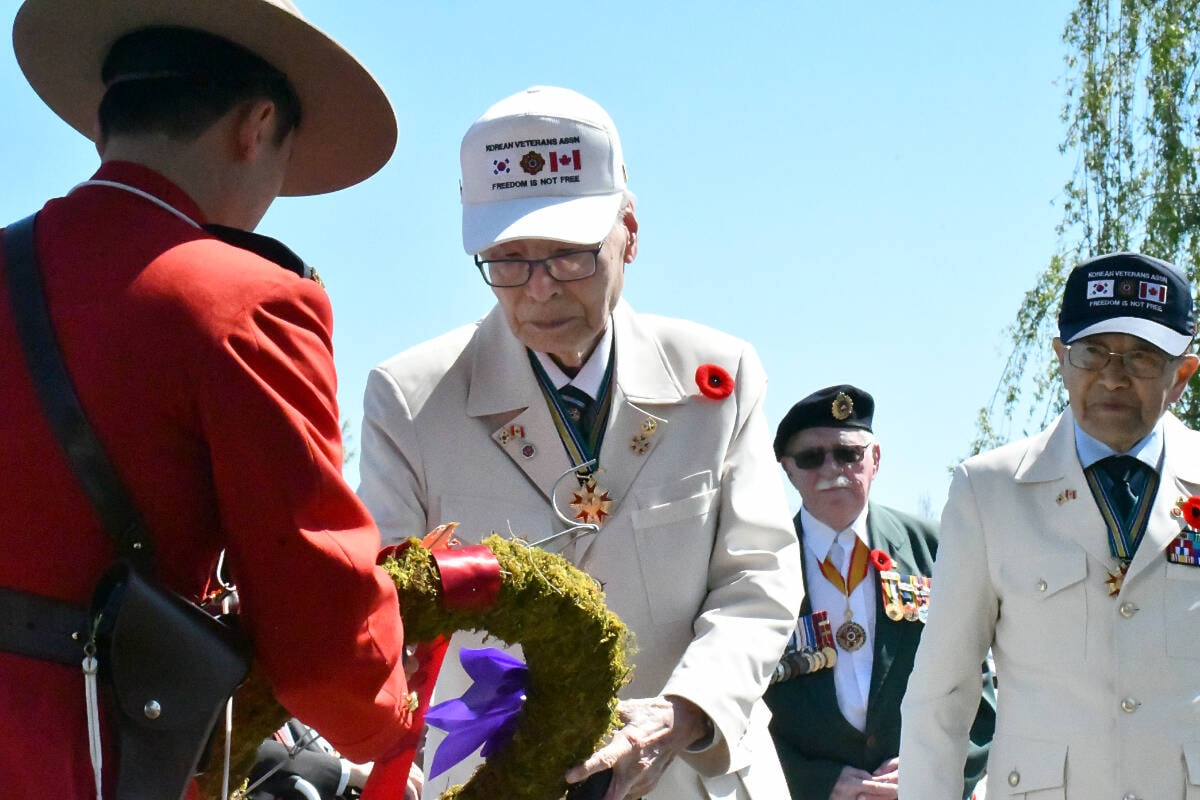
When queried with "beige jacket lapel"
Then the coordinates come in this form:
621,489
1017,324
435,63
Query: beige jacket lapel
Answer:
505,393
1064,498
643,381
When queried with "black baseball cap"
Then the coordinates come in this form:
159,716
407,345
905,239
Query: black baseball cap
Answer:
1129,293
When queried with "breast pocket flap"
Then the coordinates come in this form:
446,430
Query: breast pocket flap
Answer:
1035,766
1048,575
667,513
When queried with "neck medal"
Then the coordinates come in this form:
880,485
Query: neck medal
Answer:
1116,578
591,503
850,635
1124,533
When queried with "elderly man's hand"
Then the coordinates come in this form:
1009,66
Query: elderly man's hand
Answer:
655,730
887,772
416,782
858,784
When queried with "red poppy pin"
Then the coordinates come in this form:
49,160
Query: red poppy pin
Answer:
714,382
881,560
1189,509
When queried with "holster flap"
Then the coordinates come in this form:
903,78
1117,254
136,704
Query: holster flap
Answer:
172,667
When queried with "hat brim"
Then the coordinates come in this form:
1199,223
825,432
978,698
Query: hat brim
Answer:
575,220
1169,341
348,130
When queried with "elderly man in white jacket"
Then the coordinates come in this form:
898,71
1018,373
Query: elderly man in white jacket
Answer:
490,424
1071,554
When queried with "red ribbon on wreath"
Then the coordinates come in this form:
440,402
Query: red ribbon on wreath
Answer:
470,579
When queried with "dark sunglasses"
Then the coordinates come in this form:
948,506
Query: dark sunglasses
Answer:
843,454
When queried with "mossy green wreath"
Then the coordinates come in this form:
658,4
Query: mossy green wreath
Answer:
575,648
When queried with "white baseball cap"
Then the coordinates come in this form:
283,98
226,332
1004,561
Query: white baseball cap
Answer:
544,163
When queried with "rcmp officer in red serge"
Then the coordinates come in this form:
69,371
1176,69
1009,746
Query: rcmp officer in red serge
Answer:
835,699
693,545
205,369
1072,554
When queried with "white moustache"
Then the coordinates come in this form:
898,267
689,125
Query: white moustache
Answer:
840,482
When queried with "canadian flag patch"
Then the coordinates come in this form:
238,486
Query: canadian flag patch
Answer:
1154,292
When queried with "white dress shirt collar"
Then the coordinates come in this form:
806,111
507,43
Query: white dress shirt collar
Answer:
818,536
590,375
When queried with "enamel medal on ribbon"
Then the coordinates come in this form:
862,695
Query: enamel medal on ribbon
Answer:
850,635
592,503
1124,531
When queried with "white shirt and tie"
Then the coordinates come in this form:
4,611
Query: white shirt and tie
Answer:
852,672
590,375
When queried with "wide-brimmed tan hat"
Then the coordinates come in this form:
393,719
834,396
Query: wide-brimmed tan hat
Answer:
348,130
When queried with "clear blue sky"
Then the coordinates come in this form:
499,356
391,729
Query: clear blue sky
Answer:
864,191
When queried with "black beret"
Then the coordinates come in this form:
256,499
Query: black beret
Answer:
842,406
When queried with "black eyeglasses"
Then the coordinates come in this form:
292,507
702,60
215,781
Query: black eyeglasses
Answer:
843,454
563,267
1137,363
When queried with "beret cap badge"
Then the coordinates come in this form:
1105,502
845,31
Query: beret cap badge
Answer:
843,406
838,406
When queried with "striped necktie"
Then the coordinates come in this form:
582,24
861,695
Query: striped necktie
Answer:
1123,473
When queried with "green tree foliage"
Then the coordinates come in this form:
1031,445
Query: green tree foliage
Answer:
1132,112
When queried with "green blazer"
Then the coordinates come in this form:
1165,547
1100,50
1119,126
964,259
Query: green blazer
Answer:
813,739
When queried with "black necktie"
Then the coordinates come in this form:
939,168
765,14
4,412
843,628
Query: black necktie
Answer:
1123,471
578,405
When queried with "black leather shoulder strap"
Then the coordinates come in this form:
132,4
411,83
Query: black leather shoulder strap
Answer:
104,488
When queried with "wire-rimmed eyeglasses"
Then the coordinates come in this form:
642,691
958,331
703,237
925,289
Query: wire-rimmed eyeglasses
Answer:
508,273
1137,363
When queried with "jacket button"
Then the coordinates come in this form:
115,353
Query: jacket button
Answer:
1014,778
1131,796
1042,586
1129,705
1128,610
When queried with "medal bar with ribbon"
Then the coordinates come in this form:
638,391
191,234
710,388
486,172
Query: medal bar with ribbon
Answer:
921,585
825,638
889,585
1185,548
798,657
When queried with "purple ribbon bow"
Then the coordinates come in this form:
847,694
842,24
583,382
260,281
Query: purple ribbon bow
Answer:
487,712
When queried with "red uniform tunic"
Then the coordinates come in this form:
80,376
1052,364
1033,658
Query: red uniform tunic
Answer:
208,375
